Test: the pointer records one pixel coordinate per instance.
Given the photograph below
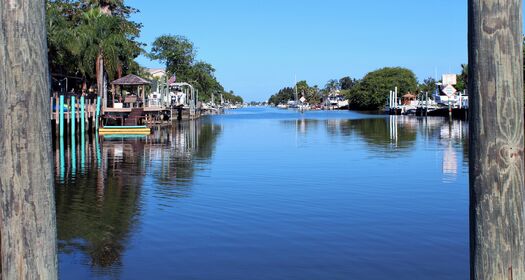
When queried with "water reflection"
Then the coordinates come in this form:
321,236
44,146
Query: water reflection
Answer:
334,193
394,135
451,137
99,204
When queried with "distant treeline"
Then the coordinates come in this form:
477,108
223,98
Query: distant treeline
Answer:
369,93
93,40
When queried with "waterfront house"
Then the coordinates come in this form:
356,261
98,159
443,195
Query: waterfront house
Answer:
157,73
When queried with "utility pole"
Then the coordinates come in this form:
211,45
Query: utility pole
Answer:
497,239
27,205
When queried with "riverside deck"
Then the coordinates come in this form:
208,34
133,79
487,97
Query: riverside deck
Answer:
71,114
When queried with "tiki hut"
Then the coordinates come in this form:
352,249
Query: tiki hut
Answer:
408,98
135,83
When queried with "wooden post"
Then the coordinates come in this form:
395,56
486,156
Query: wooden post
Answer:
62,161
90,116
113,95
51,108
56,110
97,114
27,205
82,115
73,150
67,115
73,113
82,150
61,115
497,240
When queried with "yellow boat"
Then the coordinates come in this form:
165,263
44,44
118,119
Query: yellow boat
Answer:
126,130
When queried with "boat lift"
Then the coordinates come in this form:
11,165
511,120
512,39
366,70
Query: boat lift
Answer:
189,97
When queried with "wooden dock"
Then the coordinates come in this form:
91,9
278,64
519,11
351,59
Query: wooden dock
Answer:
72,114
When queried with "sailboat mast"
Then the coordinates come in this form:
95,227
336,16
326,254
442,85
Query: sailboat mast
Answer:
295,86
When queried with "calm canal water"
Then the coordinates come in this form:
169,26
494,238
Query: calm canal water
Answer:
268,194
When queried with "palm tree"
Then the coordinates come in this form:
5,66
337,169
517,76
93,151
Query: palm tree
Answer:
463,78
332,85
63,46
104,40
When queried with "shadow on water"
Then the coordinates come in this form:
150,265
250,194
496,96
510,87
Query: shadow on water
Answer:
99,184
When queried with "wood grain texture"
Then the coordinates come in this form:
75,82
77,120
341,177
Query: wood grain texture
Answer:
27,212
496,139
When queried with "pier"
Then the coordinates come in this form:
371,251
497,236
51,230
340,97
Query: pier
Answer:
72,114
445,101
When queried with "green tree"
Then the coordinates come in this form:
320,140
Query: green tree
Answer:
232,98
462,82
105,43
302,88
332,85
346,83
314,95
177,52
90,38
311,94
428,85
202,75
283,96
372,91
62,42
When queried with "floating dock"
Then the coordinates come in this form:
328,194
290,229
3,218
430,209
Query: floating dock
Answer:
125,130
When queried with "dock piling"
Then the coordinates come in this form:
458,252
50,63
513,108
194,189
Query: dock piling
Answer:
496,150
61,115
97,114
73,116
82,115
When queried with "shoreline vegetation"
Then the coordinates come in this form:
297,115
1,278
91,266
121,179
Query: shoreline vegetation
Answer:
92,42
369,93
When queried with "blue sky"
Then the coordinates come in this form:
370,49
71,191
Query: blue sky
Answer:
257,47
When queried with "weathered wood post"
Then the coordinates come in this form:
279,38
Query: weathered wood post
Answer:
56,112
497,236
27,205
